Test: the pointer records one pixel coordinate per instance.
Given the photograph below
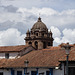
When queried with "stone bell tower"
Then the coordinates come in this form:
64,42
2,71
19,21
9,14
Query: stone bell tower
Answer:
38,36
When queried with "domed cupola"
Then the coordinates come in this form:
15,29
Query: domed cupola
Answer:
39,25
38,36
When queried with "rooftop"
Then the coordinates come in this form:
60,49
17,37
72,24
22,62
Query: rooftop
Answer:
40,58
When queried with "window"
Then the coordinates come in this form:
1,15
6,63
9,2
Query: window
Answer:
7,55
48,43
47,72
36,44
43,34
12,71
30,43
33,72
71,71
1,73
44,44
36,34
19,72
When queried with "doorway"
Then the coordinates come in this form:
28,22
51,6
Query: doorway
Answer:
36,44
44,44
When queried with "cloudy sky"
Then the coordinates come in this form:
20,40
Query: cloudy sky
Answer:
17,16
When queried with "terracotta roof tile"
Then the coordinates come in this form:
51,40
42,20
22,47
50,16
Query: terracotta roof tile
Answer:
12,48
62,44
40,58
71,56
53,48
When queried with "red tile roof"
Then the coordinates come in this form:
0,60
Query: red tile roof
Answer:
52,48
71,56
40,58
12,48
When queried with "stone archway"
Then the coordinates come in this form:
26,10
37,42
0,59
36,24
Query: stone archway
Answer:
30,43
36,44
44,44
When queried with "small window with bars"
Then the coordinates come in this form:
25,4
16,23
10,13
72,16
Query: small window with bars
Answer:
7,55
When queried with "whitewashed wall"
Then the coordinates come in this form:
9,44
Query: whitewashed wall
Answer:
2,55
5,71
11,55
55,72
59,72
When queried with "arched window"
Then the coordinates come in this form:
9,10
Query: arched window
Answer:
36,44
30,43
49,44
43,34
44,44
36,34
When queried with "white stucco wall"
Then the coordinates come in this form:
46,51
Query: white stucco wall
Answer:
5,71
40,70
59,72
11,55
2,55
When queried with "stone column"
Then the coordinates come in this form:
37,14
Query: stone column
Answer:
33,44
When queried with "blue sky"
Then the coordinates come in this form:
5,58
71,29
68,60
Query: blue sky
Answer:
16,16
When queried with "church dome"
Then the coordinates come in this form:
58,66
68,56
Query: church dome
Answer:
39,25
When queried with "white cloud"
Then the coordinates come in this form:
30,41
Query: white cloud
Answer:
68,36
11,37
56,32
25,18
36,11
68,12
51,16
55,4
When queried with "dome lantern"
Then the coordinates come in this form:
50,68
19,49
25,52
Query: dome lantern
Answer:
39,25
39,19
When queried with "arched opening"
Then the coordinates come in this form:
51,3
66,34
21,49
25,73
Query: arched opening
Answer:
30,43
49,44
44,44
36,34
36,44
43,35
